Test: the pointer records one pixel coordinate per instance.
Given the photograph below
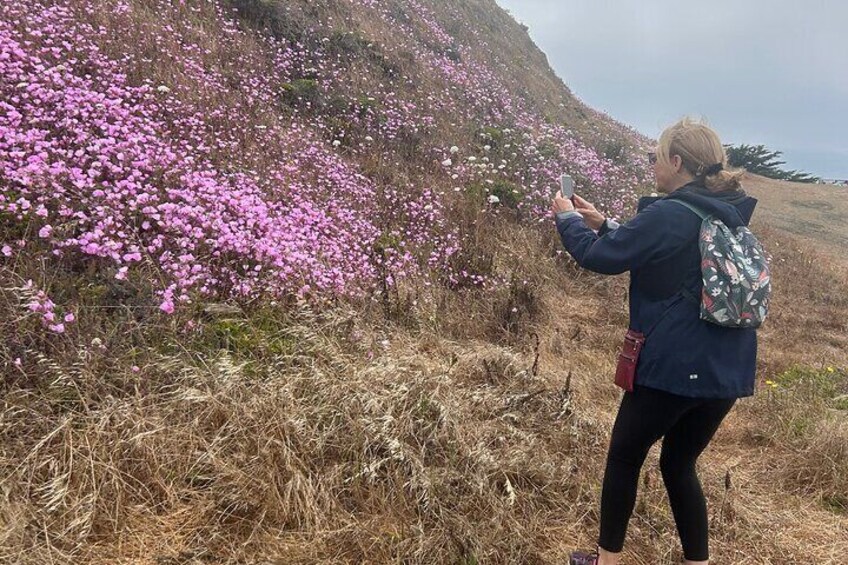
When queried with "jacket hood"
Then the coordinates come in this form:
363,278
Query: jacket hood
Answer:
733,207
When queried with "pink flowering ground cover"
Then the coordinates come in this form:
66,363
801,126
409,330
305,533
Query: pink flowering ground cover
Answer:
244,167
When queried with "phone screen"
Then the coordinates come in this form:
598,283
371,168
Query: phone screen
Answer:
566,184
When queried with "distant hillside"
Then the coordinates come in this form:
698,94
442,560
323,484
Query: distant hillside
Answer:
814,212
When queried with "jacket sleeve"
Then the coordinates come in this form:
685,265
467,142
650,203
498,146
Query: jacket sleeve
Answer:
608,226
647,238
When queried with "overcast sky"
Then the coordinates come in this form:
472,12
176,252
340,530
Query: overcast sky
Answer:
771,72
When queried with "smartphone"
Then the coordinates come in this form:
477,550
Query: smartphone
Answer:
566,187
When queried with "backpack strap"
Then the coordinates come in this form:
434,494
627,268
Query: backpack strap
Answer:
685,291
695,209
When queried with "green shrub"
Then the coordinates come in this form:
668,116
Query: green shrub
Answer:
364,104
263,333
349,44
301,91
271,16
493,136
508,193
614,151
548,150
800,395
826,383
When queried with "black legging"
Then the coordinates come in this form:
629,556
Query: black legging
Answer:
688,424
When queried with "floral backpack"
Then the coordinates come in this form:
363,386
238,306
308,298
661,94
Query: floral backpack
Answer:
735,270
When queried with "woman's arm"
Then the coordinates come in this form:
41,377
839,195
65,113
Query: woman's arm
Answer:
608,226
649,236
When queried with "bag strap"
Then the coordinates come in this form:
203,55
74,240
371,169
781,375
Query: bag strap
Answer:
685,292
701,214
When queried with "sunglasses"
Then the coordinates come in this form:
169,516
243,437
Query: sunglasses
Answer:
652,158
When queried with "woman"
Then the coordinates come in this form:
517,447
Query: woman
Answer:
690,372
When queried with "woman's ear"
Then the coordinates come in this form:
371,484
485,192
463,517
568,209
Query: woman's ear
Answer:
677,162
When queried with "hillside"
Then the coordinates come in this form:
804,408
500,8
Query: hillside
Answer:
814,212
279,285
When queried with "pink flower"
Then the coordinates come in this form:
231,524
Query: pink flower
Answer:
45,231
58,328
167,306
69,317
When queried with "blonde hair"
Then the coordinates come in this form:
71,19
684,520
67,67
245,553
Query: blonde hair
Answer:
700,148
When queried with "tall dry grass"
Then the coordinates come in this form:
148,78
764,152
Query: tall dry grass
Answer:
435,426
453,431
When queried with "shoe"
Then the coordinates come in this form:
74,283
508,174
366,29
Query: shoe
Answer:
583,558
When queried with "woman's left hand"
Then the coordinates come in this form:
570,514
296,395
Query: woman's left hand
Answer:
560,204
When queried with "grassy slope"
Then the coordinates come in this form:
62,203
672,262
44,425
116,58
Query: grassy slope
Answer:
445,447
814,212
463,428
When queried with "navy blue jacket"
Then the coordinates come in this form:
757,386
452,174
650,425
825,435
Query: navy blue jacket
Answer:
659,246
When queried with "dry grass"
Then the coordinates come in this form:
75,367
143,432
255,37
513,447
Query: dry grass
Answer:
810,303
460,441
815,213
464,427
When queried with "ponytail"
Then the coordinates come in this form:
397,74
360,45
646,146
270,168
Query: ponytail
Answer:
725,179
702,154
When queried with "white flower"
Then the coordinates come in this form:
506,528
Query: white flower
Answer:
369,138
447,163
454,150
472,159
336,143
493,199
163,89
487,147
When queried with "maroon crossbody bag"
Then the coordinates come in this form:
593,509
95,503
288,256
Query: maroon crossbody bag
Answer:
625,373
628,358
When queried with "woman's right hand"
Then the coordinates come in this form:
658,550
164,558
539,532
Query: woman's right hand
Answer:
591,216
